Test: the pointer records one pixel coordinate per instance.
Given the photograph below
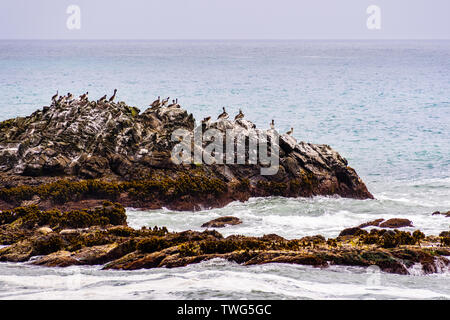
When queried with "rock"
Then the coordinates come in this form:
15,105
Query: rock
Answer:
68,232
34,201
44,230
352,232
123,248
444,234
447,214
373,223
57,259
222,222
287,143
121,147
396,223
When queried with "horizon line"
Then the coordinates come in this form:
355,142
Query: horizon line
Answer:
226,39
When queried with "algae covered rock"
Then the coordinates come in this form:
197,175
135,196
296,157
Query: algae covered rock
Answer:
114,245
222,222
124,155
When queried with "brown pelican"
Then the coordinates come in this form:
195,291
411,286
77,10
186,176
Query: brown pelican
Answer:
156,103
84,96
55,96
290,131
240,115
272,125
113,96
62,99
173,104
165,102
102,98
223,115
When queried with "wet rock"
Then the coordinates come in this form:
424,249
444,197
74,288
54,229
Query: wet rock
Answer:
373,223
34,201
396,223
85,256
117,144
44,230
124,248
447,214
222,222
352,232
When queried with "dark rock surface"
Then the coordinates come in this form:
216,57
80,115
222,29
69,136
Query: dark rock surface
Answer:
222,222
114,142
447,214
100,236
373,223
396,223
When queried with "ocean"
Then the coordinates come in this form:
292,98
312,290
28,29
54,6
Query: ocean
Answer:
383,105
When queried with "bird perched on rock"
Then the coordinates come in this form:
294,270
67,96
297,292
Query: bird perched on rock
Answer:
165,102
173,104
55,96
206,120
84,96
240,115
113,96
102,99
272,125
223,115
156,103
69,96
61,99
290,131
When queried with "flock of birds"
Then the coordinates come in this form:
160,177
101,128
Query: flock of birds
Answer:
158,103
84,97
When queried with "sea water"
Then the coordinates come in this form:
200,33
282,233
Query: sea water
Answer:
383,105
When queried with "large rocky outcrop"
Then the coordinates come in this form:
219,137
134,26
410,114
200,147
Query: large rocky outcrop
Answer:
82,140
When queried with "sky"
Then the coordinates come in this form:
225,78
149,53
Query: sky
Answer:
225,19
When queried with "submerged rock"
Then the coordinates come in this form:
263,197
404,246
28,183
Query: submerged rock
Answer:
129,155
222,222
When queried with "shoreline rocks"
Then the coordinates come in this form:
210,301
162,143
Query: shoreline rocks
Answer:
82,150
222,222
100,236
446,214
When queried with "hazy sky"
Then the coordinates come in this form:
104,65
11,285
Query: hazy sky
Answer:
224,19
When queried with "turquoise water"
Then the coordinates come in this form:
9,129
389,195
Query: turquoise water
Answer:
384,105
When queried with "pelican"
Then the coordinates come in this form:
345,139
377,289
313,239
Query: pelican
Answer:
223,115
290,131
240,115
102,98
164,102
173,104
272,125
156,103
84,96
62,99
113,96
55,96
